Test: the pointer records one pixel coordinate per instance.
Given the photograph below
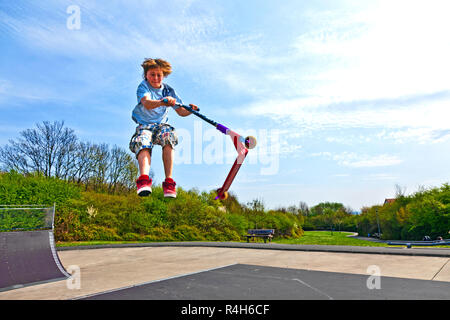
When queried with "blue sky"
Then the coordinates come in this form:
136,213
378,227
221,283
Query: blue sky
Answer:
346,98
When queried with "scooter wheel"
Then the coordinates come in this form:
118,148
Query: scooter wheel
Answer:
250,142
222,195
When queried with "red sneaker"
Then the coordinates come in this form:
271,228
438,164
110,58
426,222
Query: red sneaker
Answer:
169,188
144,186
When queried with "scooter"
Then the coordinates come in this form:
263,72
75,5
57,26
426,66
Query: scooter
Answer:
241,144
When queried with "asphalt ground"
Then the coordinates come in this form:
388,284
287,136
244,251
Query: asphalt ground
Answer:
242,271
249,282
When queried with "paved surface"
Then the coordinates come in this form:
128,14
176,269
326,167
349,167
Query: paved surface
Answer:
333,270
401,250
251,282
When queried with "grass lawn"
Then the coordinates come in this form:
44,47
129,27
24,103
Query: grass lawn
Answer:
91,243
330,238
309,237
339,239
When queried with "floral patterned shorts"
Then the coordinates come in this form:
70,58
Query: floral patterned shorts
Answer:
146,136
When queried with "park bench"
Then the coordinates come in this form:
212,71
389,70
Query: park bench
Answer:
266,234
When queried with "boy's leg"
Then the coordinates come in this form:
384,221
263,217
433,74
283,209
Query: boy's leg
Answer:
168,185
167,155
144,161
144,183
141,144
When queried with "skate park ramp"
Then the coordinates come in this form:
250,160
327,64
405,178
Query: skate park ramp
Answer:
27,250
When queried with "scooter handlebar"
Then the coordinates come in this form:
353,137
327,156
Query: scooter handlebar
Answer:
165,100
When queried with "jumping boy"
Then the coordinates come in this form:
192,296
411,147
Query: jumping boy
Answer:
154,100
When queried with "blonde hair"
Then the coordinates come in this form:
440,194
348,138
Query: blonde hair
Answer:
148,64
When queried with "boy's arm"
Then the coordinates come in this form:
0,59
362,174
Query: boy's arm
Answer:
183,112
151,104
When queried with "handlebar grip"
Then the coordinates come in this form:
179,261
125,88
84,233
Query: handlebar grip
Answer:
182,105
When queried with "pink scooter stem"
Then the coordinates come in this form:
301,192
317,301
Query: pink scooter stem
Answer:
240,143
242,153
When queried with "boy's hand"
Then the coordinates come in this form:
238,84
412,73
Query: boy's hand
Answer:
194,107
169,101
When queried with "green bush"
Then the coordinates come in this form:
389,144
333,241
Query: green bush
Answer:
188,233
426,212
83,214
26,219
17,189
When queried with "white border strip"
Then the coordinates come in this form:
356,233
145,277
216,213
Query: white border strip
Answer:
153,281
55,255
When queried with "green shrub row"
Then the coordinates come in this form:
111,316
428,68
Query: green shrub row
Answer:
93,216
423,213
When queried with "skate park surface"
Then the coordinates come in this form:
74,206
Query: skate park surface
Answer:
195,270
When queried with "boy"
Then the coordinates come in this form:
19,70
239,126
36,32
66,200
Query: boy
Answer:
154,99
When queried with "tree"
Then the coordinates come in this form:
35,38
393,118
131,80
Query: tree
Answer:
122,169
12,160
256,208
81,168
321,207
43,150
399,191
303,208
53,150
99,164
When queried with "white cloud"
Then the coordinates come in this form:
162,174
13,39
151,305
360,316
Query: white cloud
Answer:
390,49
380,176
17,93
384,66
416,135
378,161
355,160
192,35
320,113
